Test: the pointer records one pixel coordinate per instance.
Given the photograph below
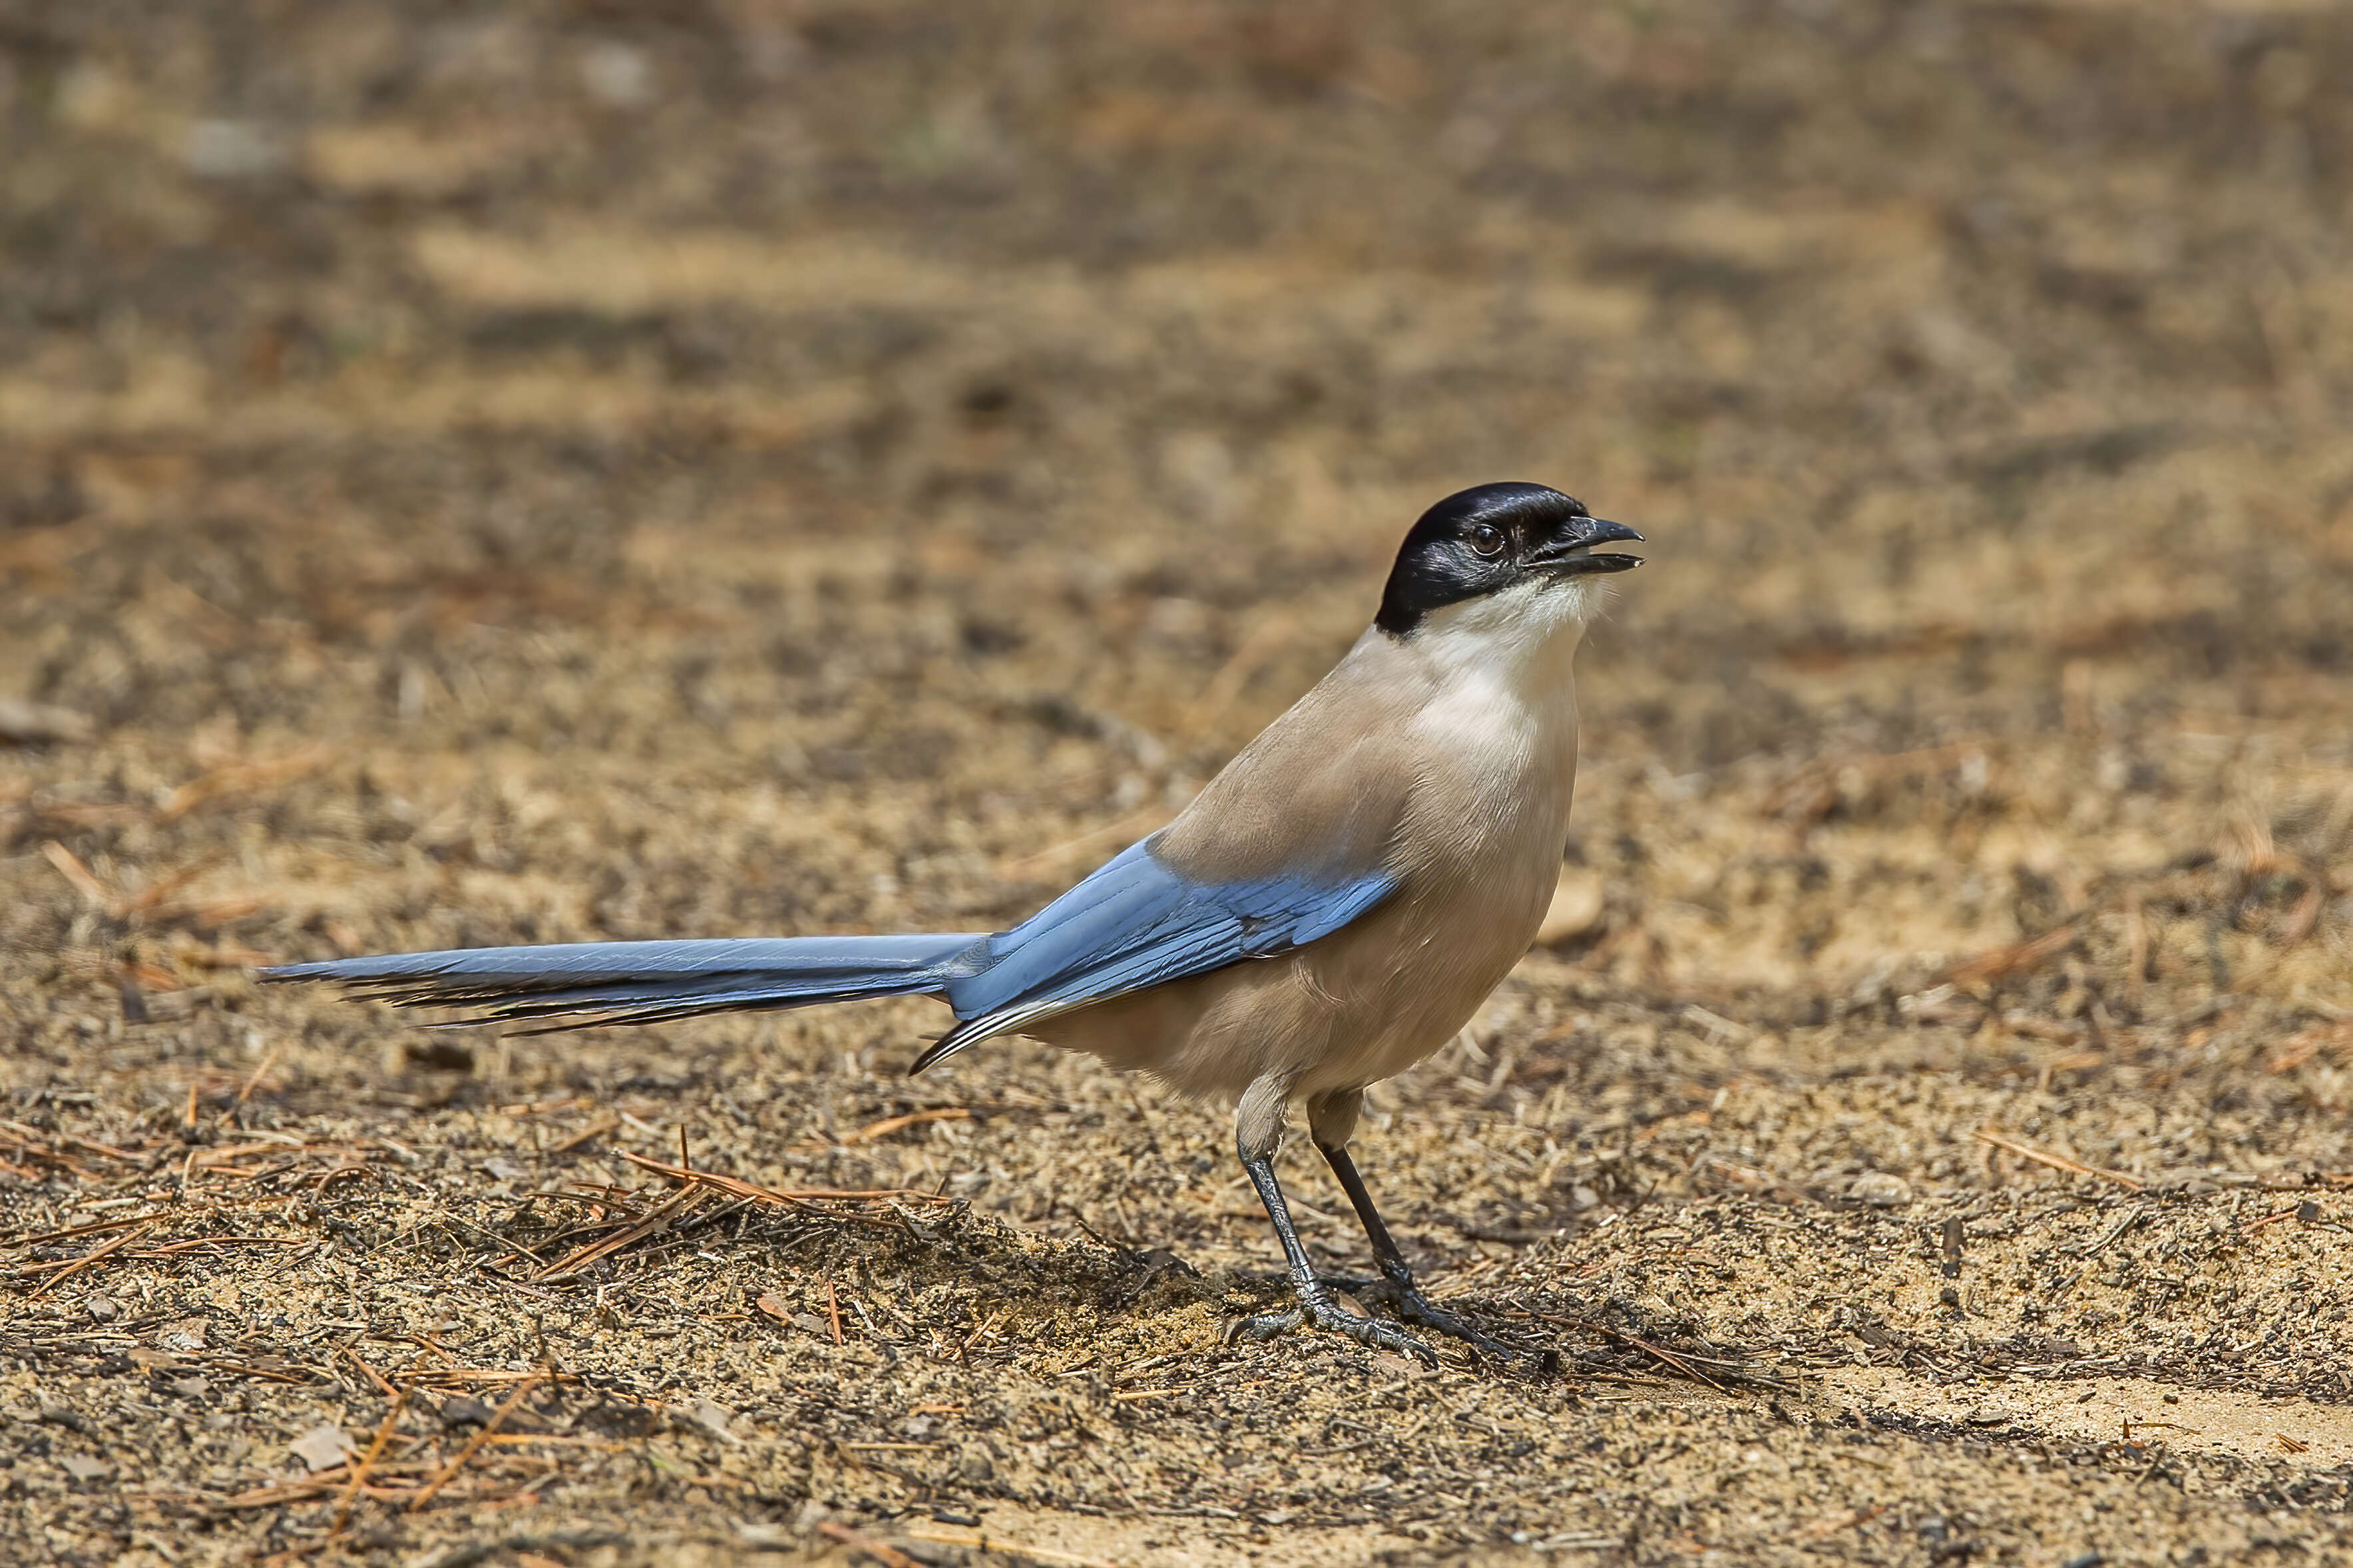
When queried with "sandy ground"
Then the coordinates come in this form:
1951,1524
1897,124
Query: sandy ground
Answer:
555,471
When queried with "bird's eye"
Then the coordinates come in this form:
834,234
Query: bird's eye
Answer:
1487,538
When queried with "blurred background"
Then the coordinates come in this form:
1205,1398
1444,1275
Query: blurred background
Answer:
960,430
537,471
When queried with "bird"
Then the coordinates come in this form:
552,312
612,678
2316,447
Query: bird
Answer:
1332,908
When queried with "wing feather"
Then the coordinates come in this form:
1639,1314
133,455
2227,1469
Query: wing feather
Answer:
1138,923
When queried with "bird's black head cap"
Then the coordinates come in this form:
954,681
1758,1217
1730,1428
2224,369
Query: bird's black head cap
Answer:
1489,538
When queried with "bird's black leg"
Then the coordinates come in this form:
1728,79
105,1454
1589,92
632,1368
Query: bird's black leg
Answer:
1316,1304
1258,1130
1332,1118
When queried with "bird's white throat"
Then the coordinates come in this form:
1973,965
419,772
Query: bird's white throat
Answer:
1523,638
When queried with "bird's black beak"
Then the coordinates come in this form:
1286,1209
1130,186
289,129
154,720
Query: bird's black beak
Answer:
1571,554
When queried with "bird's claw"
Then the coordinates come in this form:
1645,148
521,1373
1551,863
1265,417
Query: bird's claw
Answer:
1319,1309
1419,1310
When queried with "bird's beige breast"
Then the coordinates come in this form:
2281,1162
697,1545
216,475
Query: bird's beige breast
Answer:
1420,969
1377,996
1456,781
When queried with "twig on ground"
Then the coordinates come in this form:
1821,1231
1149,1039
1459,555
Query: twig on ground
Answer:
252,1083
887,1125
2021,958
594,1129
375,1376
69,866
804,1198
963,1351
26,1136
313,1487
1684,1362
664,1215
106,1250
2056,1161
1659,1352
474,1443
889,1556
93,1230
375,1448
557,1439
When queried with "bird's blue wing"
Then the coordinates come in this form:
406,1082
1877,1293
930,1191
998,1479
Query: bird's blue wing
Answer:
1138,922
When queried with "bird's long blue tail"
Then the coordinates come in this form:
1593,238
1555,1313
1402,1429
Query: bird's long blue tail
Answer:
592,984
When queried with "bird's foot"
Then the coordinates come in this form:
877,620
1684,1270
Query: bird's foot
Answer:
1317,1306
1405,1296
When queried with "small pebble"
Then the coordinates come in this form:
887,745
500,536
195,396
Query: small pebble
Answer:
1881,1190
464,1411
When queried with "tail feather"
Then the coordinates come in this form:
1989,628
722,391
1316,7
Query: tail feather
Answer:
591,984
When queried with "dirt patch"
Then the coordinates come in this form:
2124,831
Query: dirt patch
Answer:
530,474
2122,1410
